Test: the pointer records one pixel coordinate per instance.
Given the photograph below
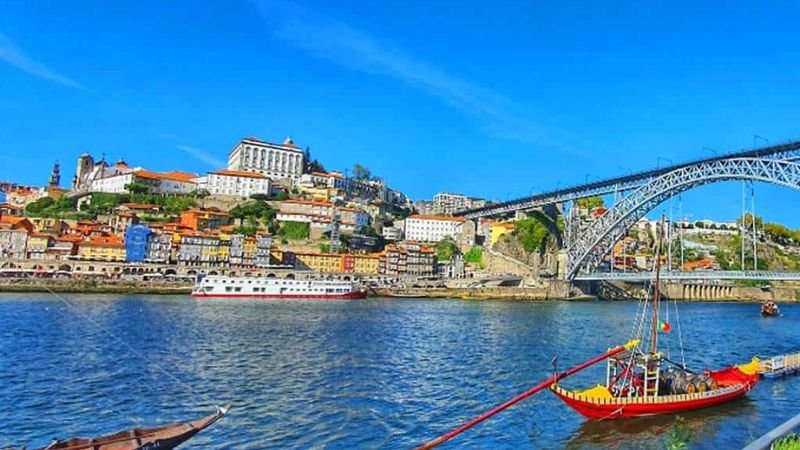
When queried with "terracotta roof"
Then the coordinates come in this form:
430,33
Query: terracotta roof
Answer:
70,238
103,241
185,176
172,176
307,202
205,211
238,173
442,218
140,206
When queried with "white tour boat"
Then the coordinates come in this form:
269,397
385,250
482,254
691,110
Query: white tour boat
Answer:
214,286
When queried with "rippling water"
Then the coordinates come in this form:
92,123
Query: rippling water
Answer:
377,373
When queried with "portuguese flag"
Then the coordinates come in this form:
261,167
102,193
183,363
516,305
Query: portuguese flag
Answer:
664,326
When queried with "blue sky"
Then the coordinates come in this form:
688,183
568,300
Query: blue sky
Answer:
493,100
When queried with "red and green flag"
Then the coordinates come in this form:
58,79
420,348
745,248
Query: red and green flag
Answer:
664,326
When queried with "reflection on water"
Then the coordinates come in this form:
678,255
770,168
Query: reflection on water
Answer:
377,373
702,425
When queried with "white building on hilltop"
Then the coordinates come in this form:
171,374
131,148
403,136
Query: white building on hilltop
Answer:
275,161
234,183
433,228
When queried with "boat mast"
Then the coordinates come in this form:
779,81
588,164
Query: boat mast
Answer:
656,292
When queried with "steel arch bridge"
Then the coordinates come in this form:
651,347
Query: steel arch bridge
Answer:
586,251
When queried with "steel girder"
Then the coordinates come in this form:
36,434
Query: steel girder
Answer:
592,245
787,151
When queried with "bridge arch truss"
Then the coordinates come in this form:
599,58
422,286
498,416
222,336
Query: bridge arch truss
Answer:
588,249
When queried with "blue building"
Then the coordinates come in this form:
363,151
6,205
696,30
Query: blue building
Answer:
136,238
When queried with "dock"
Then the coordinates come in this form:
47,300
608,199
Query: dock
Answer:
779,366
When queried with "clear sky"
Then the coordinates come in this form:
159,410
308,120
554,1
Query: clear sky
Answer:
490,99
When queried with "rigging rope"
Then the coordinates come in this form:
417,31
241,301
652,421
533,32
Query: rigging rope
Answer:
170,375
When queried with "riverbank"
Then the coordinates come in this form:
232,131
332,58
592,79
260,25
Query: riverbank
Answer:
70,286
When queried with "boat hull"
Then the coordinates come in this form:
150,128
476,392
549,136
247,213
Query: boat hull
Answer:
734,382
161,438
346,296
627,408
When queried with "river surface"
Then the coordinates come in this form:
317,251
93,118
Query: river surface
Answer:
377,373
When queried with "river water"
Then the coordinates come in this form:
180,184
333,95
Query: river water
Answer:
377,373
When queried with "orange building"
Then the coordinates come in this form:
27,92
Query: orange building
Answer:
201,219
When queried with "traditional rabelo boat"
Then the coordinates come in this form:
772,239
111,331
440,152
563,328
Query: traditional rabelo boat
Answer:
643,381
161,438
769,309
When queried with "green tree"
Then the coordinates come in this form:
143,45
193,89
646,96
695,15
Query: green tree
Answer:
360,172
532,234
778,233
446,248
137,188
748,221
259,197
590,202
281,196
474,255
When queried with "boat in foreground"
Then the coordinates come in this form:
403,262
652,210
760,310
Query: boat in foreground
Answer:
274,288
161,438
644,381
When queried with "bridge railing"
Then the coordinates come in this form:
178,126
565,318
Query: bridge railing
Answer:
766,441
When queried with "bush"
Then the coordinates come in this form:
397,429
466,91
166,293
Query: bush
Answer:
294,230
532,234
474,255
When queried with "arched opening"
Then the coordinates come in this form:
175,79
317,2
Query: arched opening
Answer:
346,278
170,272
213,272
90,269
290,276
65,268
191,272
271,275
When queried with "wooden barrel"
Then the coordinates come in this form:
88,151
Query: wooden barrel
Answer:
680,383
700,384
712,384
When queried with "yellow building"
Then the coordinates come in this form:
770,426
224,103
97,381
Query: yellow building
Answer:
103,248
498,230
319,262
366,263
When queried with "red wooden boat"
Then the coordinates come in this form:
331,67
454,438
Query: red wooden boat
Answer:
643,381
161,438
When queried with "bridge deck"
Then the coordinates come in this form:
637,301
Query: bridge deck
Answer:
692,276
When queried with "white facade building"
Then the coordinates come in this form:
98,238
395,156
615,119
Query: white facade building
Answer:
447,203
275,161
158,183
433,228
234,183
320,214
